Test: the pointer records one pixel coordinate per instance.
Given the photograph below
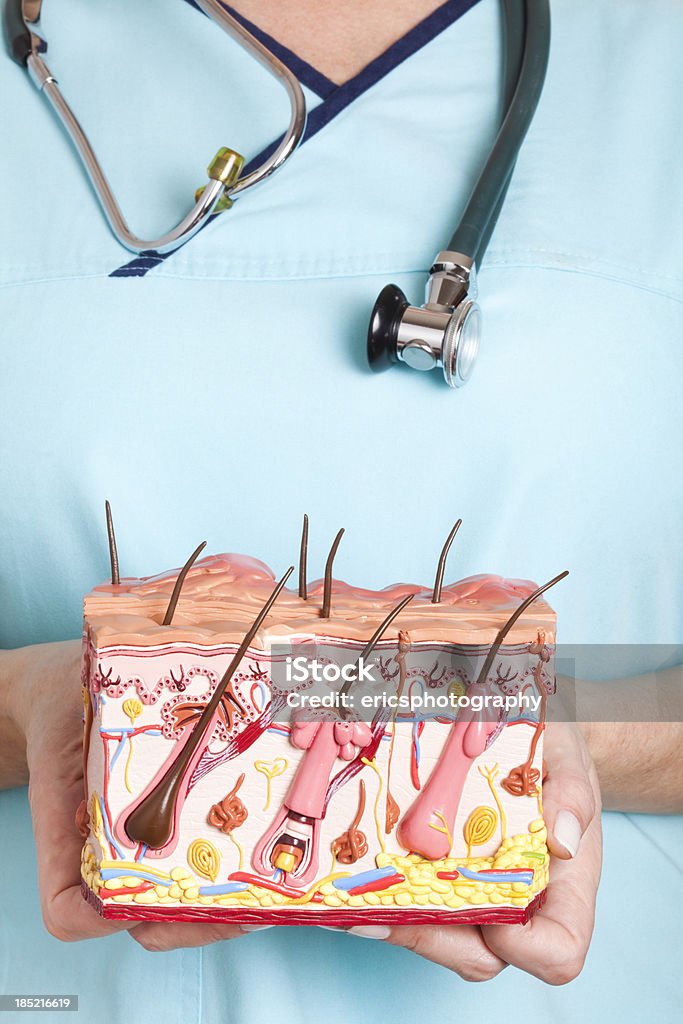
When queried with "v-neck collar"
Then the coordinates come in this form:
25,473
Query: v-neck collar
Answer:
309,76
334,98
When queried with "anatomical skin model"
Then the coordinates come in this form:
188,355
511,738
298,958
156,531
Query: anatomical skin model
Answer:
211,795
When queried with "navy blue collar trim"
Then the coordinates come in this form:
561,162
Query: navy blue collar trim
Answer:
305,72
335,98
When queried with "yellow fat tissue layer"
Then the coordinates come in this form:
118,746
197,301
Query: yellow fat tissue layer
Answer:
422,887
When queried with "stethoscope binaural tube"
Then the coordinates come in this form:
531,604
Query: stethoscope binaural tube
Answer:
446,330
27,46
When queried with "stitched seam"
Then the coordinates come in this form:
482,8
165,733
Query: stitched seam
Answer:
362,272
382,271
509,254
594,272
390,261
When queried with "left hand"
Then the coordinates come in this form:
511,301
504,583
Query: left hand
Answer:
554,944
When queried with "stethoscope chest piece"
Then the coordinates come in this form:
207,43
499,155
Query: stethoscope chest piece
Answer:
444,332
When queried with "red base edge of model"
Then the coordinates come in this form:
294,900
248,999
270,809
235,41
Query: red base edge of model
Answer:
332,918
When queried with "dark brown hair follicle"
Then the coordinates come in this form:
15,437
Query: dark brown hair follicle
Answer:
113,553
168,617
327,588
303,553
151,822
441,568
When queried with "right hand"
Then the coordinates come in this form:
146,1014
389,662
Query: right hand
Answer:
554,944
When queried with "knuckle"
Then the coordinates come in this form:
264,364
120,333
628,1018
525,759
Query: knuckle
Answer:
156,938
587,797
151,941
469,966
578,796
483,969
223,933
57,927
564,972
412,940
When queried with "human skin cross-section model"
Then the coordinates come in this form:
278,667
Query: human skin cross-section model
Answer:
211,794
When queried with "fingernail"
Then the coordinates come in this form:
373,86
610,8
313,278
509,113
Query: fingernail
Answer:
371,931
567,832
256,927
329,928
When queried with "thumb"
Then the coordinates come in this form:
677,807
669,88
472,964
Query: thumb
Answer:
570,792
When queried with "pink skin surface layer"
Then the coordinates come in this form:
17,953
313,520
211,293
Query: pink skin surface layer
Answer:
219,588
323,742
425,824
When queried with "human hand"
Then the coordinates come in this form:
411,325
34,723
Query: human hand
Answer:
44,698
44,703
554,944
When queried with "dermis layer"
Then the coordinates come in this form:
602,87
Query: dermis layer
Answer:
173,884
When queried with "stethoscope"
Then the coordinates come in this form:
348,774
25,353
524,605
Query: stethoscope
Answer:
445,330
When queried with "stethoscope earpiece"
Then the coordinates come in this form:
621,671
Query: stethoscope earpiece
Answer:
444,332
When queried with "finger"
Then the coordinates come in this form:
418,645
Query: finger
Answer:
460,948
554,944
569,798
55,790
161,937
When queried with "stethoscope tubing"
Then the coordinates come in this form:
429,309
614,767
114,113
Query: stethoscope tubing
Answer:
514,19
478,220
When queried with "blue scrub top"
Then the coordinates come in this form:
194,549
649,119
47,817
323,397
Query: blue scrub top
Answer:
222,392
